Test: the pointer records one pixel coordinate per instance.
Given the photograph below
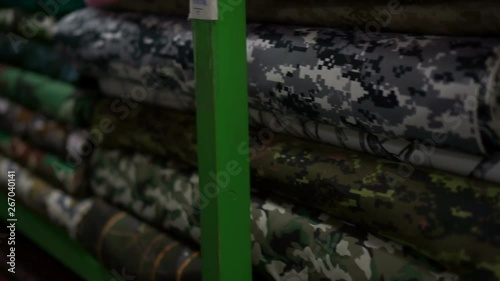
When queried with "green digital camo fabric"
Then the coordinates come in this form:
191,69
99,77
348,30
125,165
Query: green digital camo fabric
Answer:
134,250
458,17
46,7
23,26
289,242
71,179
36,56
56,99
70,144
394,85
42,198
152,129
356,187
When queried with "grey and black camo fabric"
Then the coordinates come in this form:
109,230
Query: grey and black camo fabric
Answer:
44,199
395,85
289,242
457,17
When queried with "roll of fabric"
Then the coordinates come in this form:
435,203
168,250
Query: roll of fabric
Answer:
396,200
56,99
26,26
46,134
35,56
165,193
134,249
71,179
460,17
49,7
155,130
395,85
39,196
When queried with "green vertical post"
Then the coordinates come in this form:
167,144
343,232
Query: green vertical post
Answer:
222,121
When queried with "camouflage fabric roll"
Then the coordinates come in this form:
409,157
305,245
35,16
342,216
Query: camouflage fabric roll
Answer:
312,246
132,248
56,99
46,134
48,7
36,56
395,85
155,130
458,17
47,201
26,26
366,190
71,179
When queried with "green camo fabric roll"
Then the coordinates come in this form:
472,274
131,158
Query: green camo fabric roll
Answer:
24,26
462,17
135,250
289,242
461,234
71,179
54,98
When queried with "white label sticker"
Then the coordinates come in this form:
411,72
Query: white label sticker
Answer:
203,10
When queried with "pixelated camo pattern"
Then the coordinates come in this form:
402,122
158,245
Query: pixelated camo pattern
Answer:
47,201
395,85
458,17
289,242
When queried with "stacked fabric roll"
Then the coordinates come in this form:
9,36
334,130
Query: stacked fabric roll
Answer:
374,155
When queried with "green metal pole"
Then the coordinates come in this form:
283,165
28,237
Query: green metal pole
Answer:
222,121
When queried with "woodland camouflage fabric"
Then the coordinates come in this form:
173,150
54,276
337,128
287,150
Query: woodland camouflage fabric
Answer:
56,99
22,25
72,179
367,190
135,250
155,130
458,17
36,56
49,135
395,85
47,201
288,242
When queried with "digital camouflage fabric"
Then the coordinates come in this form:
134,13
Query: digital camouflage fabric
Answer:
289,242
22,26
358,188
56,99
134,249
39,196
155,130
71,179
47,134
395,85
458,17
36,56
